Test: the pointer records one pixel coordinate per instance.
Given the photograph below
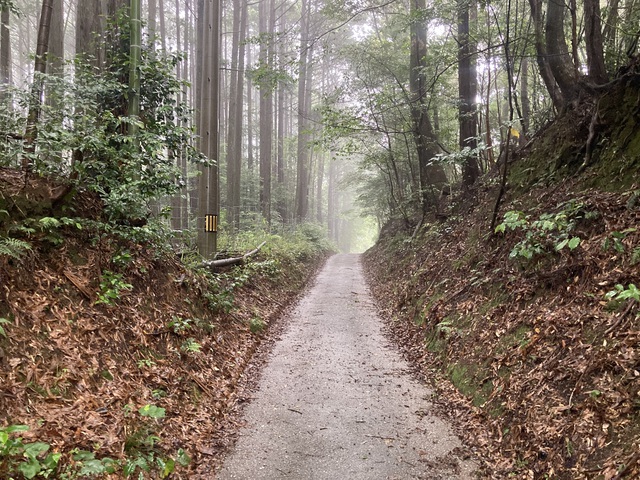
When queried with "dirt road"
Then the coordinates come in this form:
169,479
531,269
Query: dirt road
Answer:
336,401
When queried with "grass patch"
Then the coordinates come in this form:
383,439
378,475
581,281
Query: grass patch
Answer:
467,378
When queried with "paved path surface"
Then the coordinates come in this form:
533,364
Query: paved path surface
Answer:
336,401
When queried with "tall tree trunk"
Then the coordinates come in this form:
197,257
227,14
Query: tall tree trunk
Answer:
55,59
609,34
89,25
281,119
304,80
135,52
319,185
163,28
560,61
250,157
467,91
208,191
152,23
40,67
432,177
593,39
573,9
266,109
331,203
280,175
234,131
5,52
542,56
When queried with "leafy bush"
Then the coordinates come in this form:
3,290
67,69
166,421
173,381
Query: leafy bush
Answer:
84,131
110,287
550,232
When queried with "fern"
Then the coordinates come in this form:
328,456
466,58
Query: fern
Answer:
13,247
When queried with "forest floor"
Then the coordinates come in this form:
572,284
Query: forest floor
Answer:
530,332
113,353
336,400
538,358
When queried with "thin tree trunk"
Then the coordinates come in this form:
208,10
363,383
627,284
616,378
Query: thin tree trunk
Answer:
134,64
524,98
304,79
250,158
266,110
331,201
573,9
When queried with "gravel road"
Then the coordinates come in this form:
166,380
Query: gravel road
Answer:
336,400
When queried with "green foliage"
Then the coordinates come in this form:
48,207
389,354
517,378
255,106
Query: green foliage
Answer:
220,299
152,411
615,240
256,325
10,5
86,118
110,287
45,228
14,248
624,293
28,459
89,466
145,362
550,232
4,321
179,325
190,345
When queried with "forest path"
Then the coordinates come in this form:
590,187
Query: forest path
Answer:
336,401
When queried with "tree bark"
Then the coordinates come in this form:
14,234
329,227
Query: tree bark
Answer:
89,24
304,80
5,52
208,192
524,97
432,177
55,59
266,108
542,57
609,33
594,43
234,134
467,92
40,67
560,61
135,52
